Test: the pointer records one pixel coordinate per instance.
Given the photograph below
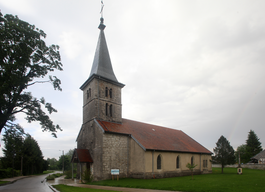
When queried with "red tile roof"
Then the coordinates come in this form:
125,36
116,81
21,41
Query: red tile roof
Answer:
81,156
152,137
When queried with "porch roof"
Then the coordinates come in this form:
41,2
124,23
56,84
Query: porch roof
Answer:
81,156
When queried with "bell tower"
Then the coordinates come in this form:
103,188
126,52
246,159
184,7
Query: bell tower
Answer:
102,91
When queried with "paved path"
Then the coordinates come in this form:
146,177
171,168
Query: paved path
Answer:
26,184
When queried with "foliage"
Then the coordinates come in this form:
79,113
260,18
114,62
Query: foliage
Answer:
191,167
26,151
53,164
53,176
67,163
25,60
9,172
66,188
250,180
33,162
13,149
87,176
224,152
70,153
253,145
242,150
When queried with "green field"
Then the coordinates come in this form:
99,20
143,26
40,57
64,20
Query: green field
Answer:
250,180
229,181
65,188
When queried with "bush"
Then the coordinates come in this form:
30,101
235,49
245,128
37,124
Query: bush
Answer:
53,176
6,173
87,176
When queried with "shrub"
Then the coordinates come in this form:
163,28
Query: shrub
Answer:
87,176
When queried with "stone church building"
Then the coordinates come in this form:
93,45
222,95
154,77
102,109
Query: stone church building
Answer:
107,141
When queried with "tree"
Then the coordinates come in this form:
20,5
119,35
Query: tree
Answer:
52,163
13,149
242,150
24,61
67,163
191,167
224,152
253,145
33,161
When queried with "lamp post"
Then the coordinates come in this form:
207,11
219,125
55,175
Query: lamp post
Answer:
63,160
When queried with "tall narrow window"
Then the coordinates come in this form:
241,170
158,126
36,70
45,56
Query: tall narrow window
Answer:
110,110
107,108
177,162
159,162
110,93
106,92
89,92
191,161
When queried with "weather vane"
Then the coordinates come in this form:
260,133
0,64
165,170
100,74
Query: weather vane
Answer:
102,6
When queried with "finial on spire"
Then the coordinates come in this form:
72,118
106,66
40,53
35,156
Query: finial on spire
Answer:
102,6
101,25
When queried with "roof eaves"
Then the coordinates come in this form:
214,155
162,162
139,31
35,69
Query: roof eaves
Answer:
161,150
99,126
138,143
102,78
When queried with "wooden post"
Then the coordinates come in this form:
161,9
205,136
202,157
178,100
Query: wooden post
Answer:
72,170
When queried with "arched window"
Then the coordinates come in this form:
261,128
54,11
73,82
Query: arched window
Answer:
89,92
177,162
159,162
107,106
106,92
110,110
110,93
191,161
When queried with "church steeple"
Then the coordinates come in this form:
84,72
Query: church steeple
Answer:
102,64
102,91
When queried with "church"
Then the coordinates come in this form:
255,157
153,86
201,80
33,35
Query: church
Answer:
108,142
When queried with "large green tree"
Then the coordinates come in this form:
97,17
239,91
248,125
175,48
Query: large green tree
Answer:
25,60
33,162
13,148
242,151
253,145
224,152
64,163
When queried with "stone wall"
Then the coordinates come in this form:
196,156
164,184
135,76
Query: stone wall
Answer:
249,166
94,105
115,154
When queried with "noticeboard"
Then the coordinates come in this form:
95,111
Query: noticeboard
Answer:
115,171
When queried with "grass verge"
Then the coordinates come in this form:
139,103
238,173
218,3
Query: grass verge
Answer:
250,180
53,176
65,188
3,182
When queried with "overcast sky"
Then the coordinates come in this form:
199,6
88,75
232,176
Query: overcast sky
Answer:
196,66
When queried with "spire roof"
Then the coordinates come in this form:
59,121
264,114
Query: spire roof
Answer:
102,64
102,67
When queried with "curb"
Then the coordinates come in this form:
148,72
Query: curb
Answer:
53,189
10,182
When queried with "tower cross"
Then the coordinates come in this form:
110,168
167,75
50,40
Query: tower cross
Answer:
101,10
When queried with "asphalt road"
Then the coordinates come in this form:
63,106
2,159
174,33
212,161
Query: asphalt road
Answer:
29,184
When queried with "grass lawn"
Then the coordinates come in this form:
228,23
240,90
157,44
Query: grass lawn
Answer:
65,188
3,182
250,180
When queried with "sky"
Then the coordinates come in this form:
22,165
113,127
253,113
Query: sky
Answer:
195,66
